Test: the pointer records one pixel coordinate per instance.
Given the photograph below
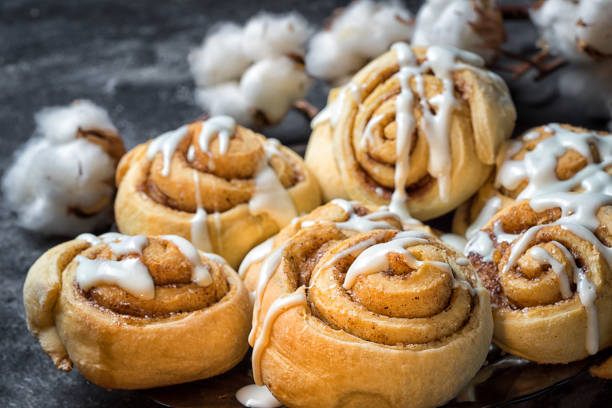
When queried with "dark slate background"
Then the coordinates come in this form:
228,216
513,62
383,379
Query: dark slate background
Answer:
130,57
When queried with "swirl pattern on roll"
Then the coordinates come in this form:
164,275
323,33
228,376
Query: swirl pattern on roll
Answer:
128,310
218,184
344,317
410,128
547,264
546,159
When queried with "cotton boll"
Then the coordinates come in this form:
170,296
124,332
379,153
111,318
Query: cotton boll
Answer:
225,99
364,30
556,22
594,27
61,123
579,31
272,85
329,59
268,35
457,23
370,28
61,183
220,58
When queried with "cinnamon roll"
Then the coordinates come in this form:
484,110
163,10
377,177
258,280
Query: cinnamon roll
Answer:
546,159
348,217
378,318
417,128
223,186
137,312
547,264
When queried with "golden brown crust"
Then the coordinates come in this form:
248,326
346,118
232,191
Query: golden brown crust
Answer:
326,215
604,370
119,341
151,203
533,319
568,164
349,168
355,348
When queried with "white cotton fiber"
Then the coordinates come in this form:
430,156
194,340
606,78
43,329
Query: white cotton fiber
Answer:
268,36
556,22
578,31
363,31
220,58
56,176
61,123
444,22
246,72
225,99
594,28
272,85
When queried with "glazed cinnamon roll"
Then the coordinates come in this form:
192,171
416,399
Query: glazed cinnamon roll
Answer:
137,312
546,159
223,186
349,217
417,128
547,264
378,318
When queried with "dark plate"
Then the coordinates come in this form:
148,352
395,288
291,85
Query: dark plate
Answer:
503,381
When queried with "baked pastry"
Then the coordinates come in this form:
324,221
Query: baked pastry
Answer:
378,318
417,129
546,159
547,263
223,186
604,370
350,217
137,312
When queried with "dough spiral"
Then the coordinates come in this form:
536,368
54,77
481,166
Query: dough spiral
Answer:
130,311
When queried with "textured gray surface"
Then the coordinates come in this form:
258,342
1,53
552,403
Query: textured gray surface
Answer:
130,58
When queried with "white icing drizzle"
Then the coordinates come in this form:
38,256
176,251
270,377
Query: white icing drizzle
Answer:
454,241
222,126
488,211
481,244
257,396
436,127
191,153
265,274
462,261
501,235
201,274
119,244
367,133
364,223
588,295
255,255
166,144
333,110
269,196
406,124
129,274
538,165
278,307
215,257
544,257
532,135
349,251
374,259
199,229
579,216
